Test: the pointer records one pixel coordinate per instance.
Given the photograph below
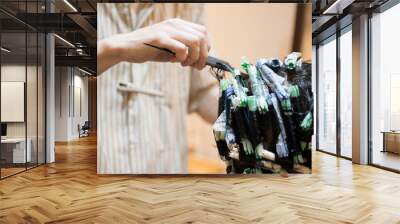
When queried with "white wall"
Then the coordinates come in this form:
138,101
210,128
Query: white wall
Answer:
12,73
79,117
70,83
33,127
62,81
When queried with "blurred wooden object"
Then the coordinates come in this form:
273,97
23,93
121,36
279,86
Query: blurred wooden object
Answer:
201,139
391,141
201,165
253,30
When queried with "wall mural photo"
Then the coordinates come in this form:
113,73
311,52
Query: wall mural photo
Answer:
204,88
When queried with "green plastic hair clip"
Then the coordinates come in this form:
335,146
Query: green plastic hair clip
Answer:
286,105
307,122
294,91
252,103
291,65
303,145
245,64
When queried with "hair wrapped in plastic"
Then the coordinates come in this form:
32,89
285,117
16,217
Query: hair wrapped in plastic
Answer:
265,121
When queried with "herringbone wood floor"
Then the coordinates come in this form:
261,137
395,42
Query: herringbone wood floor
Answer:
70,191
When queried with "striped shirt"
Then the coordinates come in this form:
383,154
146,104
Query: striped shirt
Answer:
140,132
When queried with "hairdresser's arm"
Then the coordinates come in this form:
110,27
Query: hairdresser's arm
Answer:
208,104
189,41
204,94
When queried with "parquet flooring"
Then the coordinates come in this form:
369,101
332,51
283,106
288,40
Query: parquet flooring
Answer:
11,170
70,191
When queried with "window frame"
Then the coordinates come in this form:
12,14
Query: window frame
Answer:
333,37
378,10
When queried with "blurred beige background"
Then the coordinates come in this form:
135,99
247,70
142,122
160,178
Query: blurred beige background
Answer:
253,30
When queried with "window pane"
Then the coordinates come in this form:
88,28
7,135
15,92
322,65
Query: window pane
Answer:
31,99
13,86
22,89
345,94
385,89
327,97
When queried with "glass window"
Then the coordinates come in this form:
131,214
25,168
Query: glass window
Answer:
31,100
14,153
346,94
35,89
327,96
22,91
385,89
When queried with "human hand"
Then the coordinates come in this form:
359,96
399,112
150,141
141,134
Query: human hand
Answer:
189,42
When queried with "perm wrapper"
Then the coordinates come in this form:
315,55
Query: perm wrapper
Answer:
265,120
